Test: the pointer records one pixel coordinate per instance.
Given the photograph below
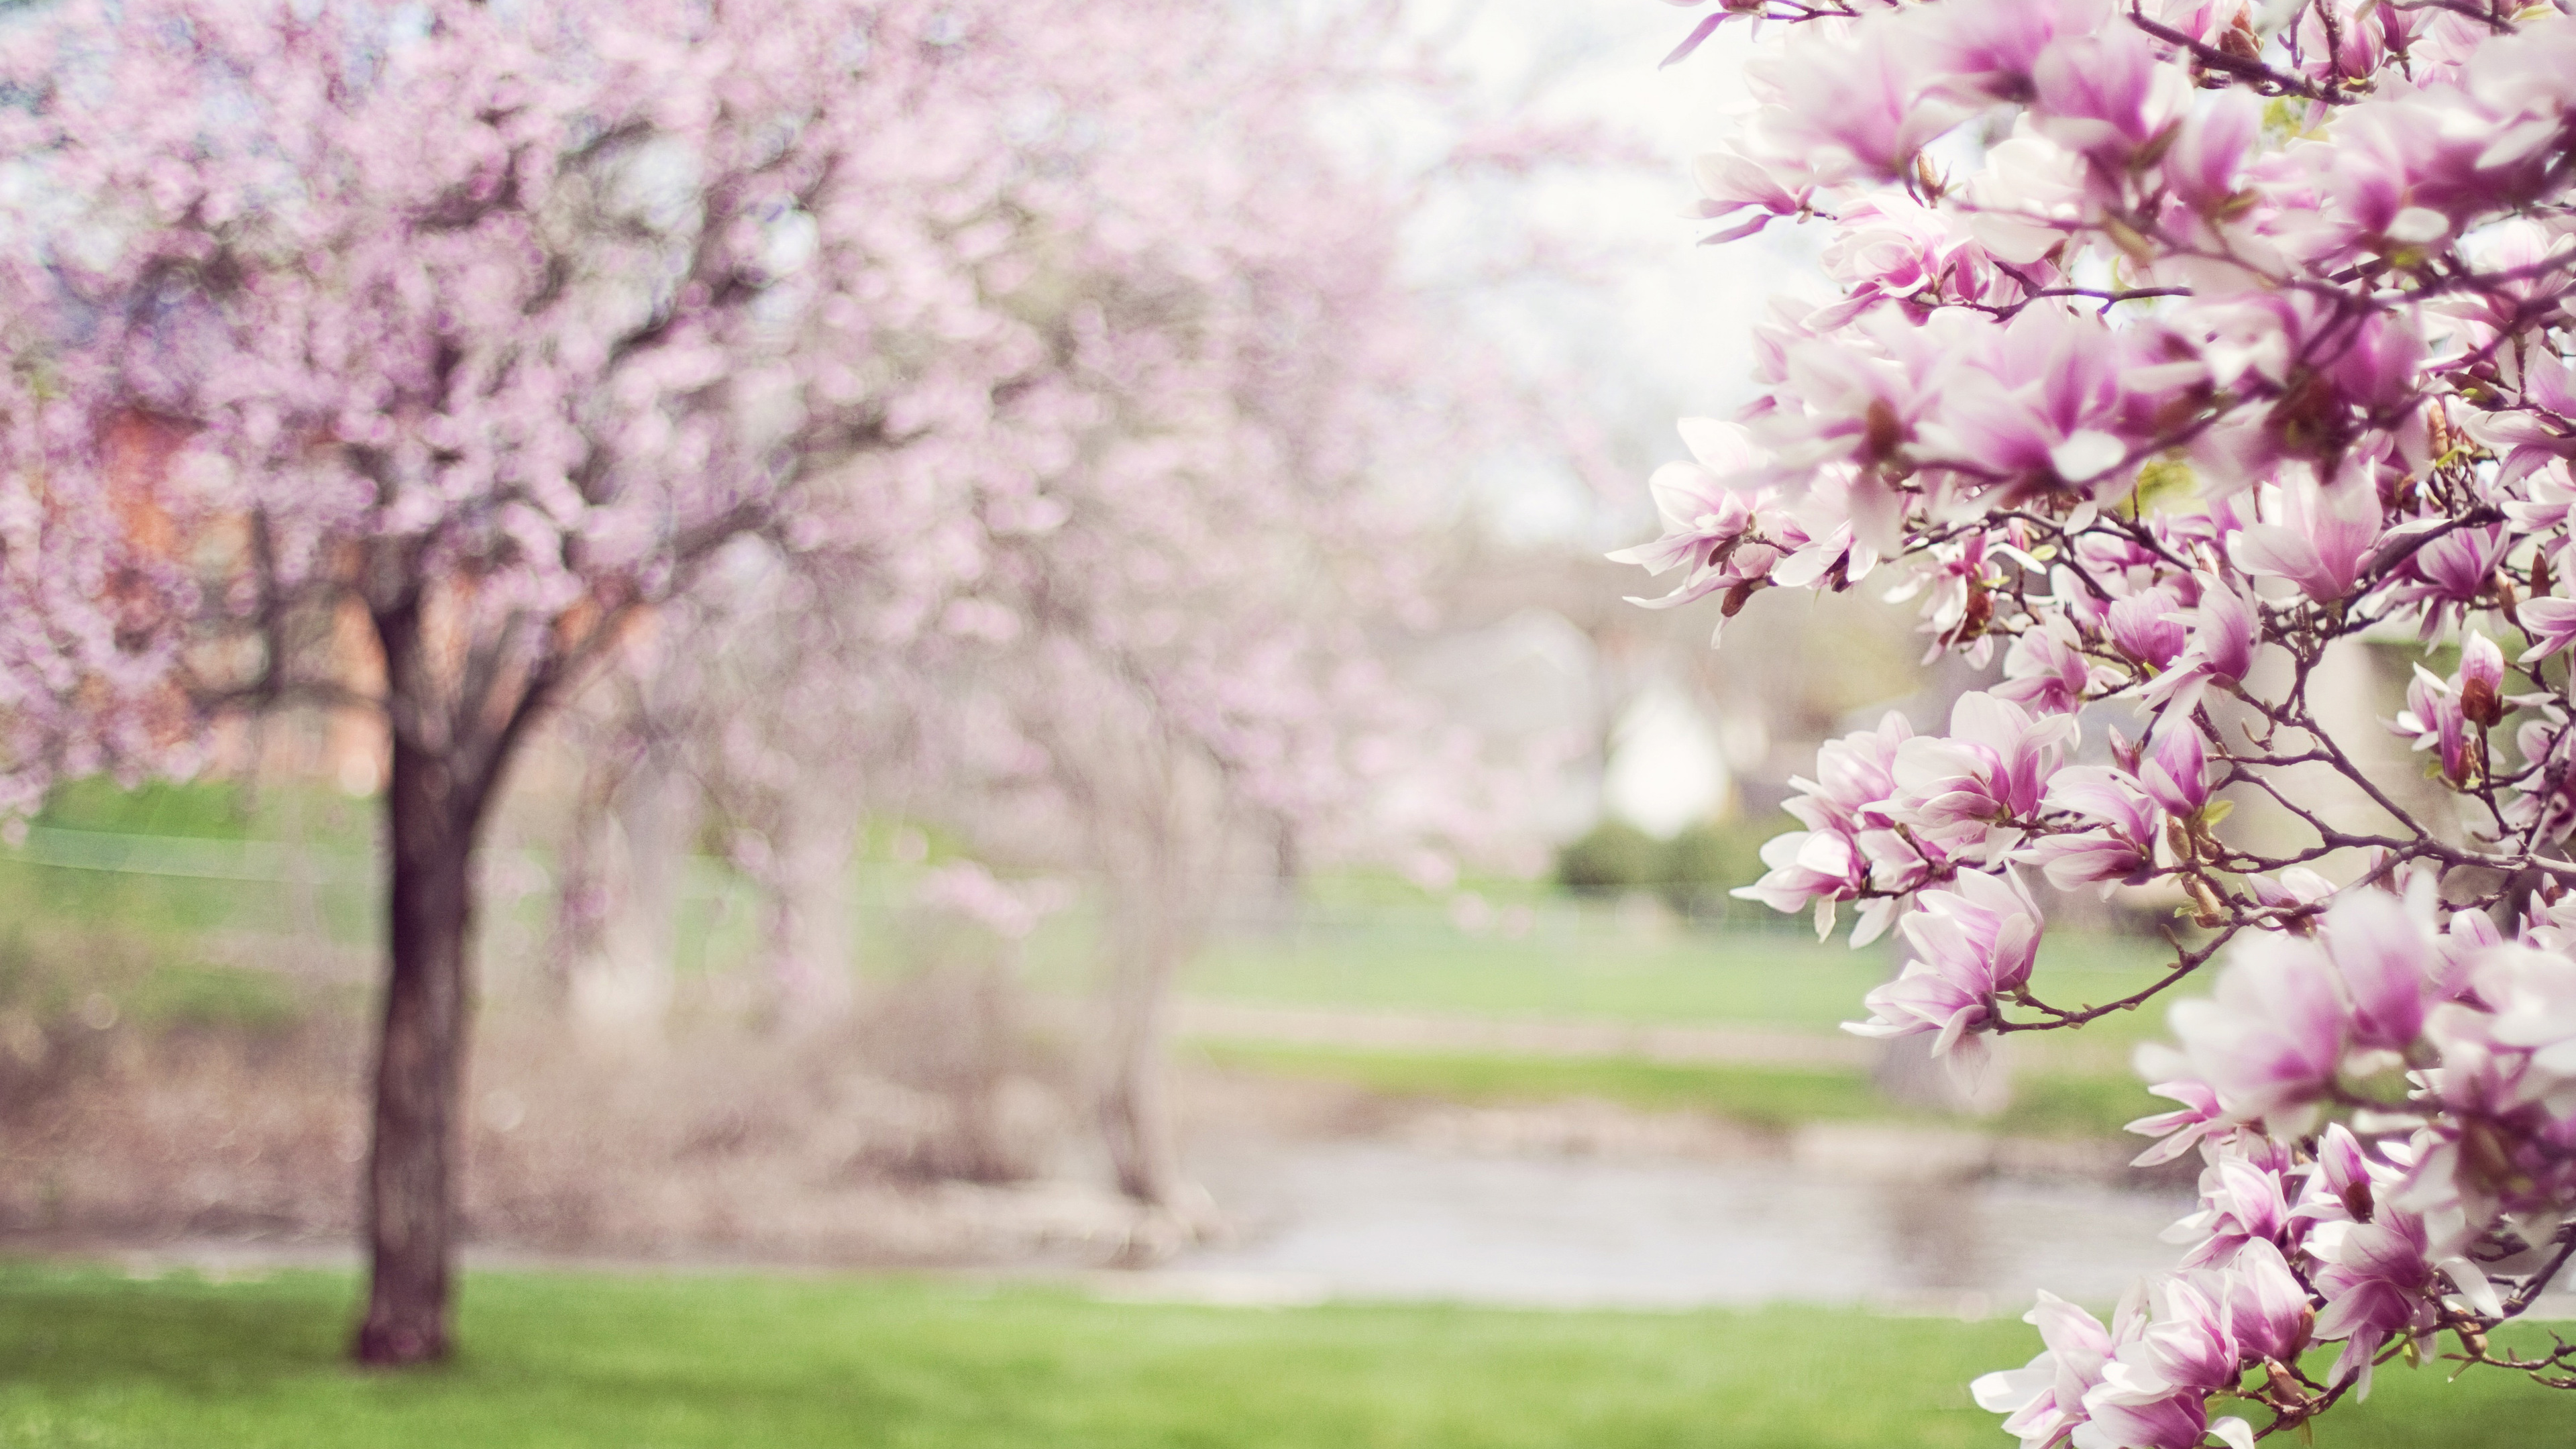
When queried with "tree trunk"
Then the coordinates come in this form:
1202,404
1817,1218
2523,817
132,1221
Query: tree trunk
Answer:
1135,1112
431,816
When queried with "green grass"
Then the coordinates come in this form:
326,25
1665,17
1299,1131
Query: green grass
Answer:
1571,966
204,809
1760,1095
90,1359
216,996
1774,1097
1575,962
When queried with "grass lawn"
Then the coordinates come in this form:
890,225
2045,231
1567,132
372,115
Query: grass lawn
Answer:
2044,1104
1575,962
2065,1084
92,1359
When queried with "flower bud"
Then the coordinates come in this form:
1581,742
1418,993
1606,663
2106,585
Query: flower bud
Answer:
2481,680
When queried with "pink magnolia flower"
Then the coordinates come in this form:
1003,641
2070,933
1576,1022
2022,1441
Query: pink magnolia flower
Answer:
1708,524
2447,575
1832,860
2223,632
2102,859
1823,547
2320,540
2343,1186
2295,889
1864,392
2271,1039
1957,577
1987,52
2172,1351
2181,1128
2350,52
2533,996
2241,1202
2176,774
2267,1308
2037,402
1856,110
2121,845
2545,805
2469,936
2173,1419
2107,95
2503,1140
2388,964
1971,942
2044,1399
2045,671
1855,776
1893,246
1809,868
2377,1281
2209,149
2433,715
2481,679
1973,784
2551,622
2185,1344
2541,429
2146,627
2549,497
1746,194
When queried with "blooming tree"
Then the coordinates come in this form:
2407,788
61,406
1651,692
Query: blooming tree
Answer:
1175,653
490,328
2181,343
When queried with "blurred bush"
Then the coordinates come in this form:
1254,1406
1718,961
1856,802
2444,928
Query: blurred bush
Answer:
1707,860
1611,857
1692,872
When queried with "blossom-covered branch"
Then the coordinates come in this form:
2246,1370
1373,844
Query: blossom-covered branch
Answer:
2183,347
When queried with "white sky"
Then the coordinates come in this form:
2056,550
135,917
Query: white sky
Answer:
1663,331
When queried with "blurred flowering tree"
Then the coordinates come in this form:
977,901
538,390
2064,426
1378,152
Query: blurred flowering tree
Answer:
2179,343
497,328
1174,653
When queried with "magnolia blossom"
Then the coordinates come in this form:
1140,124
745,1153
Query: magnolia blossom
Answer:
2119,849
1971,943
2182,348
2044,1399
2378,1281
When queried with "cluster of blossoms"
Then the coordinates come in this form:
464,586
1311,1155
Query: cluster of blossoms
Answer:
2183,345
2435,1198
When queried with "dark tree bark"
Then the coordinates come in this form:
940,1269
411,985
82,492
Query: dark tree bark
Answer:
456,709
431,820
